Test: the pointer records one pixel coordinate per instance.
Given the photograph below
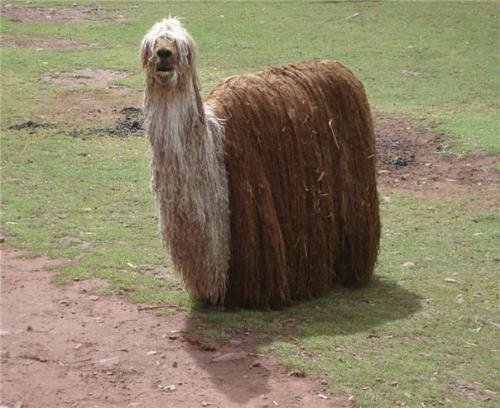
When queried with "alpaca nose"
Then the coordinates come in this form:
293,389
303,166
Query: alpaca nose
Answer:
164,53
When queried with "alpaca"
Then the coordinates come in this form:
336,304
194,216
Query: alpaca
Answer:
266,193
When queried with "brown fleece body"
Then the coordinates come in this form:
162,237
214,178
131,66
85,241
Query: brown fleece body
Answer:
300,161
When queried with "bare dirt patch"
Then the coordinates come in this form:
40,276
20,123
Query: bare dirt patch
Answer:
56,15
129,124
86,77
411,158
85,108
43,43
65,347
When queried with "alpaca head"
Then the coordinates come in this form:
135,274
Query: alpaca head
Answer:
167,55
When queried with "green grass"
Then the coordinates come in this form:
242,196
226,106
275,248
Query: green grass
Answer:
409,326
429,59
410,335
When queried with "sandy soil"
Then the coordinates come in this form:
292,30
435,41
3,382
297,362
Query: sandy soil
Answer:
62,347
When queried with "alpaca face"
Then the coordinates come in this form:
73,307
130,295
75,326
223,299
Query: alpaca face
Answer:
164,63
167,54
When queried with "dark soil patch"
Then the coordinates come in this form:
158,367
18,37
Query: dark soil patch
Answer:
32,126
43,43
57,15
66,347
411,158
86,77
129,124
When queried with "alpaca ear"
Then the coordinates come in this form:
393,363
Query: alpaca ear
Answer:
145,52
199,101
190,55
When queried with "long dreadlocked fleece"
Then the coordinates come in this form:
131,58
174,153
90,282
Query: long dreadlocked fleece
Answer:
300,161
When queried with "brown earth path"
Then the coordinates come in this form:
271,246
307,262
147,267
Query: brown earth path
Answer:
62,347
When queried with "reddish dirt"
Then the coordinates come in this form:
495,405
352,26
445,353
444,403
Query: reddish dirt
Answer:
43,43
85,77
54,338
410,158
90,108
56,15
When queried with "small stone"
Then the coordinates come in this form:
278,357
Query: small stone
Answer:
324,382
322,396
229,357
174,364
204,403
235,342
99,320
151,353
108,363
408,265
64,302
256,364
296,373
77,346
4,333
93,298
169,388
450,280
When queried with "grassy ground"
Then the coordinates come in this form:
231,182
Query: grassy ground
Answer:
426,330
414,57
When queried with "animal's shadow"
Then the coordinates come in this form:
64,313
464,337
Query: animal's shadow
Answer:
342,312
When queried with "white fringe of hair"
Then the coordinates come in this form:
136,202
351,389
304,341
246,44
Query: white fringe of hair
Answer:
188,172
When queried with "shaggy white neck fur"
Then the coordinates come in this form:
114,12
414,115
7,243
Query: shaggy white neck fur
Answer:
190,185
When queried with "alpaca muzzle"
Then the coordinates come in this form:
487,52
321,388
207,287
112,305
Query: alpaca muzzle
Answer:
165,60
164,73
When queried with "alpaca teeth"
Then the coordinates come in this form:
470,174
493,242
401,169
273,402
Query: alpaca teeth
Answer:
165,73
